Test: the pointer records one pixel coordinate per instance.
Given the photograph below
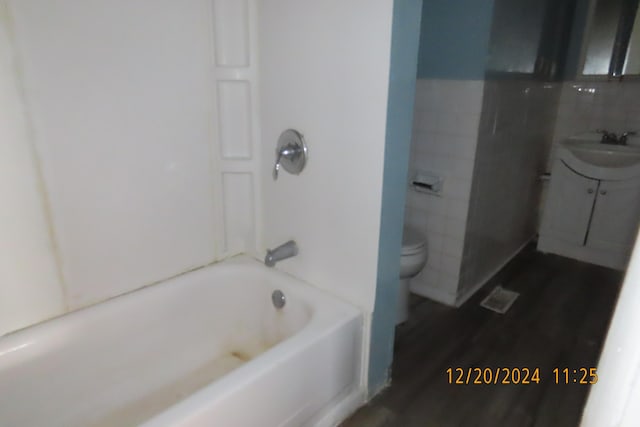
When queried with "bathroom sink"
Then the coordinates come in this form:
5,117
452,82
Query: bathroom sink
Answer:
586,155
604,155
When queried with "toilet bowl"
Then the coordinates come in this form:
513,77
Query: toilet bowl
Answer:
412,259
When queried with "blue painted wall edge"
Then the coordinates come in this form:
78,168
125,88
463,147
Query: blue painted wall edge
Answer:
402,84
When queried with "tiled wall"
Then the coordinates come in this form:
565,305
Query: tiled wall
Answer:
446,118
489,140
489,208
516,130
587,106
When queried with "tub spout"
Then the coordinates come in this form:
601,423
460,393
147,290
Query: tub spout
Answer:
284,251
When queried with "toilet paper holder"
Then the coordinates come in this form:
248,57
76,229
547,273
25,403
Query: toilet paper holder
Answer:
427,182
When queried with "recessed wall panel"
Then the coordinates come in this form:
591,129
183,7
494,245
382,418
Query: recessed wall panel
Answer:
239,221
234,109
231,32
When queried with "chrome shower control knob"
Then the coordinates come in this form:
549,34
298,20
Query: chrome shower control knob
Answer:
291,153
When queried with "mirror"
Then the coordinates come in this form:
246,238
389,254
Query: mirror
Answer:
612,41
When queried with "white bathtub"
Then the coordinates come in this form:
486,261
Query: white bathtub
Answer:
205,349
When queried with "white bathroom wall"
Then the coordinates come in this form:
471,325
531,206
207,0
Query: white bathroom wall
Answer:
325,72
30,288
146,125
446,118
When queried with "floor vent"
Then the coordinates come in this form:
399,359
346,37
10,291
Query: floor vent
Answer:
499,300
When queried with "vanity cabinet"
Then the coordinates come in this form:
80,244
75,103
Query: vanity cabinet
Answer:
590,219
569,205
614,220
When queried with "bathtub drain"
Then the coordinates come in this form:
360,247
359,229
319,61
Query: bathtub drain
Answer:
278,299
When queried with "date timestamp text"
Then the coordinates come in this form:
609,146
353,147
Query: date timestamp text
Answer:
520,375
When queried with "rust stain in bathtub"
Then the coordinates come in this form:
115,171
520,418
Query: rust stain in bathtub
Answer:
246,355
241,355
136,411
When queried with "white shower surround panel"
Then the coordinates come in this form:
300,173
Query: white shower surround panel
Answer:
147,133
30,281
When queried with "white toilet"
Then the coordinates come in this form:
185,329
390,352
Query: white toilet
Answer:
412,259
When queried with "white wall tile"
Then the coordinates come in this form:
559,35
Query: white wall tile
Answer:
446,124
511,149
448,281
462,167
426,120
458,123
459,189
455,227
434,222
429,204
430,275
434,251
452,246
451,264
457,209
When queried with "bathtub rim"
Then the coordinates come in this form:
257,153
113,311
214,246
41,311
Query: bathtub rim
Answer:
41,331
329,314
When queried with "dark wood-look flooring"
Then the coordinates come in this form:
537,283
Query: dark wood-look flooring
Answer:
559,320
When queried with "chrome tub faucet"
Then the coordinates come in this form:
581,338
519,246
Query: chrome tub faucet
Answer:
284,251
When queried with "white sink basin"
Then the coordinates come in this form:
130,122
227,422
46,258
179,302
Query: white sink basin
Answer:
604,155
586,155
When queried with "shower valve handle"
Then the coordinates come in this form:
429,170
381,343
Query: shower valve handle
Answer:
288,152
291,153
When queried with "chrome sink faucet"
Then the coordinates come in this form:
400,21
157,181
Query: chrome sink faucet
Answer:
608,137
284,251
622,140
612,138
